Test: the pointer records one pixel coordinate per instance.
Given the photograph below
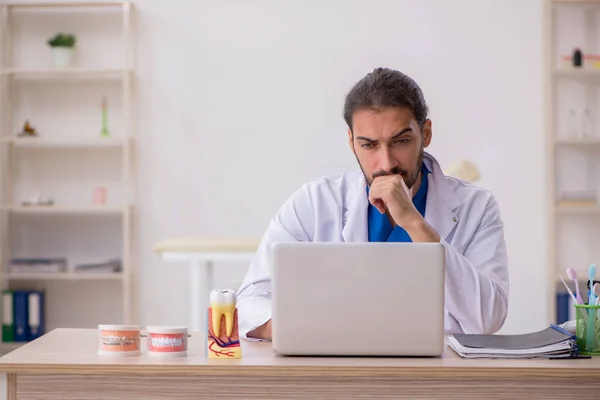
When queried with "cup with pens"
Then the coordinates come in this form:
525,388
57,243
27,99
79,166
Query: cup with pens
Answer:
587,314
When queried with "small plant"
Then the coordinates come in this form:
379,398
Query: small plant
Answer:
62,40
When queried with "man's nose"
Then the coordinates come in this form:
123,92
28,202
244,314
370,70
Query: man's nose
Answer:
386,161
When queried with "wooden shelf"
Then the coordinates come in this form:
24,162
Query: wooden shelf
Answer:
577,73
592,141
578,210
53,276
66,73
73,210
38,142
577,2
66,5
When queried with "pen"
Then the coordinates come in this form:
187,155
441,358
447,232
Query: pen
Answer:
576,357
590,329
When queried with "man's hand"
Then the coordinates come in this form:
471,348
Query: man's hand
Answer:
262,332
390,195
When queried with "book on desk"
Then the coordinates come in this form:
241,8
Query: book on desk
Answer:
553,342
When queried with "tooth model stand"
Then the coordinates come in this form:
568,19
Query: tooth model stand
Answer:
223,337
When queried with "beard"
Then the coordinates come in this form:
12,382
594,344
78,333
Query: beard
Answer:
409,179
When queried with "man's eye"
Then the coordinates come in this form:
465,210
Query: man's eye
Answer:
366,145
402,141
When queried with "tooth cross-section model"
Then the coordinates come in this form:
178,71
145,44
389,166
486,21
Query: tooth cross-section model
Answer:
223,337
222,302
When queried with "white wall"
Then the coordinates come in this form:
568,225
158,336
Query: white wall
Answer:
240,103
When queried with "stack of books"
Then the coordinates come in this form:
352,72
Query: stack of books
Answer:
38,265
113,265
552,342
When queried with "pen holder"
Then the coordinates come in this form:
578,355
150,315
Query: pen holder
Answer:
588,329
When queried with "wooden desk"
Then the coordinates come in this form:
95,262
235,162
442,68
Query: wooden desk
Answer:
64,365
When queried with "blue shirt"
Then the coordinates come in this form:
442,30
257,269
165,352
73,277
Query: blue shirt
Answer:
380,227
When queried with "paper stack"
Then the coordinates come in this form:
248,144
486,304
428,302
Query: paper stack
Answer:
552,342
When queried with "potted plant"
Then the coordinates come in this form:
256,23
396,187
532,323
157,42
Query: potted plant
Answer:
62,45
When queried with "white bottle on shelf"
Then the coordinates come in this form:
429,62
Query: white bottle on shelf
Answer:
573,125
586,123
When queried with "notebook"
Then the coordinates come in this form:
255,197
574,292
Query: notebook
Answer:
552,342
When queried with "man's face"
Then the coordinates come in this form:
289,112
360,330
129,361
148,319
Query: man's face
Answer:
389,142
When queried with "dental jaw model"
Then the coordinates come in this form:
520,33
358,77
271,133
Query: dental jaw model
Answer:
223,337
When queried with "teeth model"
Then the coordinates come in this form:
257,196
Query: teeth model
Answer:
222,302
162,342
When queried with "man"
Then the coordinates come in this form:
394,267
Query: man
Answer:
401,195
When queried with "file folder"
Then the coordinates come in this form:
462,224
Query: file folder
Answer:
8,325
21,316
36,315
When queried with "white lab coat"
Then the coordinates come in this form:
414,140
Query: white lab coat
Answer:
334,209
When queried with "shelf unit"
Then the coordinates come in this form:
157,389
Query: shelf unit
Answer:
68,158
572,126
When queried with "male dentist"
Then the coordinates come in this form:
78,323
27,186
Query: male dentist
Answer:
400,195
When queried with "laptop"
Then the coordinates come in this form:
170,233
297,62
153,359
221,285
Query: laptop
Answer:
358,299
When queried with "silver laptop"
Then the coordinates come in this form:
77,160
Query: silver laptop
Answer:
358,299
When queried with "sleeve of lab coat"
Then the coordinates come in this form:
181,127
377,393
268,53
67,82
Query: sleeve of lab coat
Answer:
477,280
292,223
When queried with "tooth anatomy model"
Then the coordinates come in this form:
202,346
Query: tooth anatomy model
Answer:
223,337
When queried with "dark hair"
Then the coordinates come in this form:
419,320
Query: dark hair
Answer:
385,88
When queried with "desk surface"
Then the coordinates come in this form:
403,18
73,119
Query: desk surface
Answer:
74,351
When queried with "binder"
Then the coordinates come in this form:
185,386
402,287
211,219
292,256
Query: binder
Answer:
562,308
8,325
21,317
36,324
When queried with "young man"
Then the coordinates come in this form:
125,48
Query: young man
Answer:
401,195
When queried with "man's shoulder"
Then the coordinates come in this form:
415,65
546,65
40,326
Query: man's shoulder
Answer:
335,184
469,193
331,190
337,180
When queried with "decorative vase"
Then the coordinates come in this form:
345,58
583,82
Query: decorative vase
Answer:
62,56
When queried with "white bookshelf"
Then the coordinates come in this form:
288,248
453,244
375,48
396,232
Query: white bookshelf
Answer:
69,158
572,143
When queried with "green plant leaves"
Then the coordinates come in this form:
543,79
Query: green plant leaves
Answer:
62,40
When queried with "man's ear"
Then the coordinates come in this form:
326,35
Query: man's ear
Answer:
351,139
427,133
